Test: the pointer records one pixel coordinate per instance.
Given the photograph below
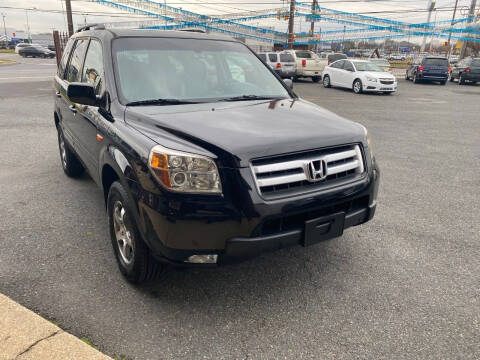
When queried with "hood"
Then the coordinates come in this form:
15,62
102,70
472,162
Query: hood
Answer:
379,75
237,132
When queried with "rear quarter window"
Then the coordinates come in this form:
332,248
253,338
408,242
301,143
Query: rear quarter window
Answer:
64,60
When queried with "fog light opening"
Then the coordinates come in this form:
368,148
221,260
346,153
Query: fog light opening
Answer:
202,259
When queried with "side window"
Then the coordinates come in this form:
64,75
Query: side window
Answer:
272,57
93,67
76,60
347,65
338,64
64,60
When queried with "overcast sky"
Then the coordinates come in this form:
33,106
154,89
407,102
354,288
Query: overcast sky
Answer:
40,20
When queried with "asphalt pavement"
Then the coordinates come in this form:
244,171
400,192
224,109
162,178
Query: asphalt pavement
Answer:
404,286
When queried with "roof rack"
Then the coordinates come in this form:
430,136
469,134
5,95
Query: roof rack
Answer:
193,30
91,27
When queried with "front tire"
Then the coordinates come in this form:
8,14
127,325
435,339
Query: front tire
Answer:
357,86
315,79
72,167
133,256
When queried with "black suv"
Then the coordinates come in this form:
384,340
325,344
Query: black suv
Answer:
465,70
429,68
204,155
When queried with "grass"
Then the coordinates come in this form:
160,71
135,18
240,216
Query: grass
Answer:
6,62
7,51
88,342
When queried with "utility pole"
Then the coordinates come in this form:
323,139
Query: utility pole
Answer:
471,14
343,40
68,9
431,7
291,24
312,24
4,28
451,26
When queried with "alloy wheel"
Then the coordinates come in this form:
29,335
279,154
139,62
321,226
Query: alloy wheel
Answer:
123,236
63,150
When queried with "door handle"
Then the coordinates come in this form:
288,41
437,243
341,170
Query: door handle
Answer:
73,109
58,94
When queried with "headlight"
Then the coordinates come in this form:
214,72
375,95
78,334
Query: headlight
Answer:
184,172
372,79
369,140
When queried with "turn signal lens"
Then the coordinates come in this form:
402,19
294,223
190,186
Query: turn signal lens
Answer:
420,69
279,66
184,172
467,69
304,63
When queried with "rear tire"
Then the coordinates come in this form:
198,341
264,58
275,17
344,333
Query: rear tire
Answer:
70,163
133,256
451,78
461,80
406,76
443,82
357,86
316,79
326,81
415,79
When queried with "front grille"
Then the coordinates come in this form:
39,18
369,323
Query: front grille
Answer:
308,171
386,81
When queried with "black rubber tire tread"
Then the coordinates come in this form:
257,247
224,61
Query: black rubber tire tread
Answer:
316,79
144,267
329,82
74,167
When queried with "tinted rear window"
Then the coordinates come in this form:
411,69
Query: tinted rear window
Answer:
263,57
336,57
304,55
286,58
475,62
435,62
272,57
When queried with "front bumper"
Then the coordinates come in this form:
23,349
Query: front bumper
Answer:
246,226
379,87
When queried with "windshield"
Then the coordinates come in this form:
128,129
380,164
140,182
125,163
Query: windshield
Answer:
366,66
381,62
188,69
335,57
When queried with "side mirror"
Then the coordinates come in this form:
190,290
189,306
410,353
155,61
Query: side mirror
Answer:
289,83
82,93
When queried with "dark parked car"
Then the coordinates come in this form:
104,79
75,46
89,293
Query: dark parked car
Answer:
200,163
35,51
429,68
465,70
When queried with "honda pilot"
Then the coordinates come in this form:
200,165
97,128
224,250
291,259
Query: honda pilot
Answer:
204,155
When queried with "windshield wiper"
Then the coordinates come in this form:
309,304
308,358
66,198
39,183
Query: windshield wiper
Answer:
251,97
161,102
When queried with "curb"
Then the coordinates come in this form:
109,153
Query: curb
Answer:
25,335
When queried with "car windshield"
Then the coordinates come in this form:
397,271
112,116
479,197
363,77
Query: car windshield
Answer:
435,62
190,69
366,66
381,62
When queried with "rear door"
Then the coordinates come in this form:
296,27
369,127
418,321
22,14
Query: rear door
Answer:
347,74
336,70
475,66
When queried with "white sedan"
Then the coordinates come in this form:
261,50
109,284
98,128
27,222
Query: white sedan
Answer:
360,76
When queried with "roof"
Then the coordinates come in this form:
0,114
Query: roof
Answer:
158,33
